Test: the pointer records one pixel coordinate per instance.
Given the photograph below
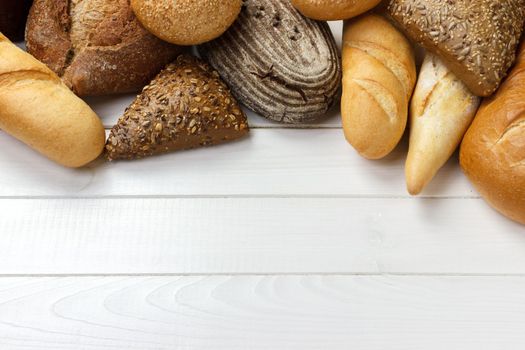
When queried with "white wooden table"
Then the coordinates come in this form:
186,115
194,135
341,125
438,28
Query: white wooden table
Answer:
285,240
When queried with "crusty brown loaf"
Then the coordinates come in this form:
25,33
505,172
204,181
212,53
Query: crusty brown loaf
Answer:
38,109
187,22
379,74
278,63
98,47
185,106
332,10
493,150
477,39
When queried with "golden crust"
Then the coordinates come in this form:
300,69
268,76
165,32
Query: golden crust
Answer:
333,10
186,22
493,151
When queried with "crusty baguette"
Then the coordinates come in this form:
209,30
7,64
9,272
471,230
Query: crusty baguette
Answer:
38,109
493,150
333,10
441,111
379,74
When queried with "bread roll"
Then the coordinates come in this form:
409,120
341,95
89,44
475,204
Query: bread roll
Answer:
332,10
97,47
379,74
476,39
38,109
493,150
187,22
185,106
441,111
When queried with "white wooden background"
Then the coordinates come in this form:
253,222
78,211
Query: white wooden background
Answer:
285,240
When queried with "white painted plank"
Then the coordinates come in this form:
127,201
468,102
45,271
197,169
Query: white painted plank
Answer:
257,235
268,162
263,312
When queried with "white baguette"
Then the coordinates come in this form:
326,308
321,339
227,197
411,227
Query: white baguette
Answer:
38,109
441,111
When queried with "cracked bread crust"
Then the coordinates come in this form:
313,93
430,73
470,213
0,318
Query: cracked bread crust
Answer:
97,47
493,150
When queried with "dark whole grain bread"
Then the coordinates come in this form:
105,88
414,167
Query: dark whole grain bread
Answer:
278,63
477,39
185,106
98,47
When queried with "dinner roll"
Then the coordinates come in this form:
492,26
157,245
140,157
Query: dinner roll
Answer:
186,22
333,10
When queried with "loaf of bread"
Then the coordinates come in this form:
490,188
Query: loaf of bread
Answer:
278,63
98,47
332,10
38,109
187,22
185,106
493,150
13,14
476,39
441,111
379,74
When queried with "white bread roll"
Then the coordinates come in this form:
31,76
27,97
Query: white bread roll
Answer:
379,74
38,109
493,150
333,10
441,111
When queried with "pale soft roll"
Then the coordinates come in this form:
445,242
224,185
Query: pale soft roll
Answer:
379,74
441,111
38,109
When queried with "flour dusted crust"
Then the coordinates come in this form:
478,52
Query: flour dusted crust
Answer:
477,39
187,22
277,62
98,47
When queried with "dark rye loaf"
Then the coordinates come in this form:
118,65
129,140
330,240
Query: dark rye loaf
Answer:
477,39
97,47
277,62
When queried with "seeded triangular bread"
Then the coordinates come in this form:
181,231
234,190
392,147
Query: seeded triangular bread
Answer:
477,39
185,106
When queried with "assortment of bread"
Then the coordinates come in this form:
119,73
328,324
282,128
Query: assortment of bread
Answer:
280,60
